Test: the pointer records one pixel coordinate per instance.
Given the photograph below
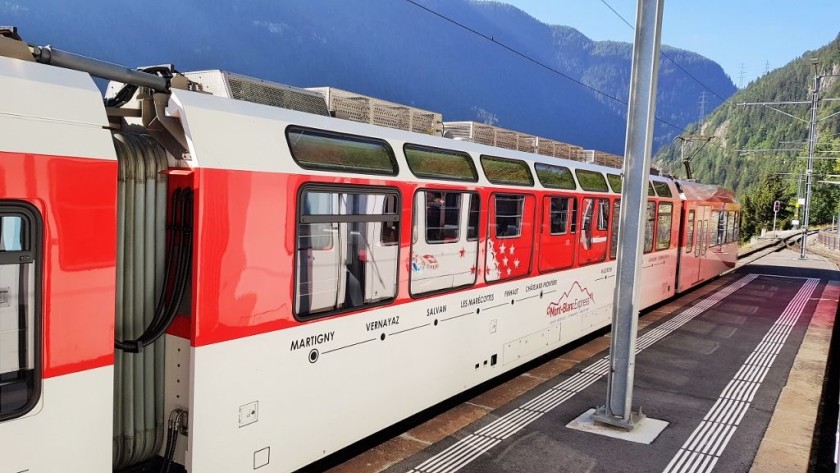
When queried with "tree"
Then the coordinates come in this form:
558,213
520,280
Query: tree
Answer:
757,209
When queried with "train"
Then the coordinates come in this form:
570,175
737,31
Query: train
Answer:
231,286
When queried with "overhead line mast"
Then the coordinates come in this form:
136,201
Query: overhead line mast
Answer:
812,143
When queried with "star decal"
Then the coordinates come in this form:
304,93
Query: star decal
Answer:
512,248
516,263
472,270
462,252
504,261
503,248
508,271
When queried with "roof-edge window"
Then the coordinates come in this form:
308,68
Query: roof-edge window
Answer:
330,151
506,171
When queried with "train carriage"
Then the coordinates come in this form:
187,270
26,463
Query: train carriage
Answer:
283,283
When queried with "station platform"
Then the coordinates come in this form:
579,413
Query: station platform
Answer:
735,368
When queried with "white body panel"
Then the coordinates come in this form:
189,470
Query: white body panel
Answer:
70,425
433,349
42,102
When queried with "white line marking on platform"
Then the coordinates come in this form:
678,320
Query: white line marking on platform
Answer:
710,438
462,452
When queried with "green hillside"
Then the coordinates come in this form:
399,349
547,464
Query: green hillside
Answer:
760,177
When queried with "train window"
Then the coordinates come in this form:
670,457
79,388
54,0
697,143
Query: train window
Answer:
737,227
346,256
663,225
443,211
603,214
20,326
689,232
730,230
713,228
651,216
506,171
472,225
436,163
662,189
614,231
555,177
700,238
719,226
446,258
390,230
508,215
328,151
559,215
591,181
615,182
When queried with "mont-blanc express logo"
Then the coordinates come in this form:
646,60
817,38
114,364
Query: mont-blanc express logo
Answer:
576,299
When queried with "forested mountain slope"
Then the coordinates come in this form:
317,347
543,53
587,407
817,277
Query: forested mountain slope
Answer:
760,151
389,49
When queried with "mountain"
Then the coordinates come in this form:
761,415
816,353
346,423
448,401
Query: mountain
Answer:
758,151
389,49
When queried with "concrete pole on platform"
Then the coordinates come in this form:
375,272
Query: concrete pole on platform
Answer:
640,123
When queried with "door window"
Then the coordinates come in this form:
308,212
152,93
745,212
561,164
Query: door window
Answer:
20,327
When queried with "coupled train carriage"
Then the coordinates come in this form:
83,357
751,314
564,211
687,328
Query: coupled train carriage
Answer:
282,284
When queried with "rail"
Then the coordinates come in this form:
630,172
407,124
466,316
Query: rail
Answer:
765,247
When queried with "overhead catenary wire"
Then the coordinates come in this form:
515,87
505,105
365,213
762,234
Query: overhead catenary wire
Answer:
666,56
532,60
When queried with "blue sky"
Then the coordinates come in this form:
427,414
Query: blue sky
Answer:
730,32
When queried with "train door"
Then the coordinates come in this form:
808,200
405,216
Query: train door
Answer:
557,233
594,227
688,262
321,254
444,240
511,237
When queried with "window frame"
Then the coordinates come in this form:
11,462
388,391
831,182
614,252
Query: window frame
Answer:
34,241
308,219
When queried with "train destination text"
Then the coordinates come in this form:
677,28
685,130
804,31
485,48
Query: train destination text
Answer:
378,324
312,341
541,285
436,310
476,300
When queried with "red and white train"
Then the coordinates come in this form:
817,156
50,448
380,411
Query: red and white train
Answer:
315,280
